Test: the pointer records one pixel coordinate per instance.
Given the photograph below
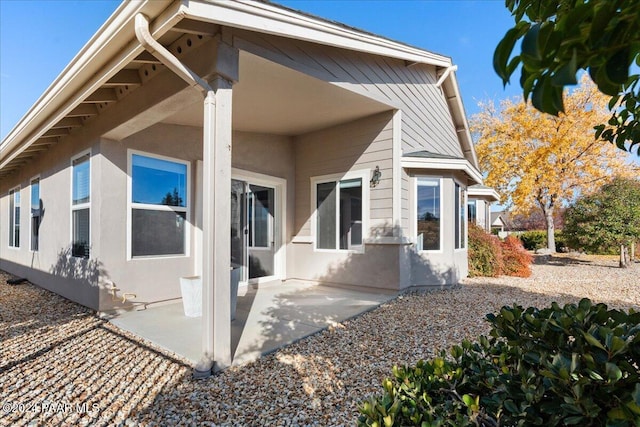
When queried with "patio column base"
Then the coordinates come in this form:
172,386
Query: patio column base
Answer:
201,375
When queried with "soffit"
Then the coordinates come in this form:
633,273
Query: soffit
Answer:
271,98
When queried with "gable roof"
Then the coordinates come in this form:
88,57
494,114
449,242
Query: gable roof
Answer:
113,57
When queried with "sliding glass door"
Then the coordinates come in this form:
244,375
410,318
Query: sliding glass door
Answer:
252,230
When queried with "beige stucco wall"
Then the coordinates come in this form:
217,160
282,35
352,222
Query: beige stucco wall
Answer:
153,279
51,266
156,279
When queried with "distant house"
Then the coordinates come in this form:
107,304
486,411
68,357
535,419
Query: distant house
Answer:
498,222
479,204
188,137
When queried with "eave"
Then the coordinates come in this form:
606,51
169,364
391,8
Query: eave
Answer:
462,165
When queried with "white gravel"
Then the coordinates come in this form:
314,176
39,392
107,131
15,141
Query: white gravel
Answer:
61,365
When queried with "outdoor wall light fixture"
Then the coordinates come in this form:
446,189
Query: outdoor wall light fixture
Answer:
375,177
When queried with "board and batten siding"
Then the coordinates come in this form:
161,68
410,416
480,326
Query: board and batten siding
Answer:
361,144
426,119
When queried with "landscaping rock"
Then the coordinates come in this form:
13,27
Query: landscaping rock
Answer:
54,353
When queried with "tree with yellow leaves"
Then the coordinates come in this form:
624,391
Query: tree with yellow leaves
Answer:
539,161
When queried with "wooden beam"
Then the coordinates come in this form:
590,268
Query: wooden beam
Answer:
83,110
146,58
124,77
189,26
68,122
35,149
56,132
101,95
44,142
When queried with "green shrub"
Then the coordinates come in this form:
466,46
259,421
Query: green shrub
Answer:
575,365
484,255
534,239
561,241
516,261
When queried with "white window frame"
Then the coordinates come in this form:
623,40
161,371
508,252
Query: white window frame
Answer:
270,236
12,226
364,175
37,177
130,205
80,206
414,211
463,220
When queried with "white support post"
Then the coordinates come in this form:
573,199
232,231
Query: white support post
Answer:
216,223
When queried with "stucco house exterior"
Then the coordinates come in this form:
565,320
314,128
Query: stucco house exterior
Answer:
188,138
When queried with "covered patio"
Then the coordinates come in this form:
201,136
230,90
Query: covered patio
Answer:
268,317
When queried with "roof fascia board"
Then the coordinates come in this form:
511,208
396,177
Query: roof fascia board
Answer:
270,19
464,135
488,193
85,74
444,164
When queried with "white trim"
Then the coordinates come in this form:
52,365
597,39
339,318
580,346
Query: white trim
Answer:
272,19
279,234
364,175
414,212
302,239
488,194
145,206
463,199
31,213
443,164
81,206
396,193
12,232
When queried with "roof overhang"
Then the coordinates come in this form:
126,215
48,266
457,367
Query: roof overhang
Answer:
462,165
452,95
114,46
483,193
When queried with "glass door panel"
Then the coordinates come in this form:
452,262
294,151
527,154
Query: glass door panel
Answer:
261,245
238,229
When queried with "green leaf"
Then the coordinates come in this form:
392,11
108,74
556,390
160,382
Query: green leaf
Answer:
593,340
566,75
530,46
571,421
612,371
468,400
504,49
617,66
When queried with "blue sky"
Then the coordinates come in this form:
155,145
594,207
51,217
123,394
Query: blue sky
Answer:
39,38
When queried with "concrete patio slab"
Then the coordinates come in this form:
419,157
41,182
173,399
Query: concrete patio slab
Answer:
268,317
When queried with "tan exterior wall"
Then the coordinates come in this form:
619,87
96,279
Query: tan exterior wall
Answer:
155,279
52,266
359,145
426,119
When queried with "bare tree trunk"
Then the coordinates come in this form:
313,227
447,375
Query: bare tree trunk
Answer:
551,237
632,258
624,258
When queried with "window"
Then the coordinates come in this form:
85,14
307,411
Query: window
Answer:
36,214
339,213
429,213
158,206
14,218
459,221
471,211
80,206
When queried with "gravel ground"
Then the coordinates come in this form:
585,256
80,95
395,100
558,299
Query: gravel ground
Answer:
61,365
